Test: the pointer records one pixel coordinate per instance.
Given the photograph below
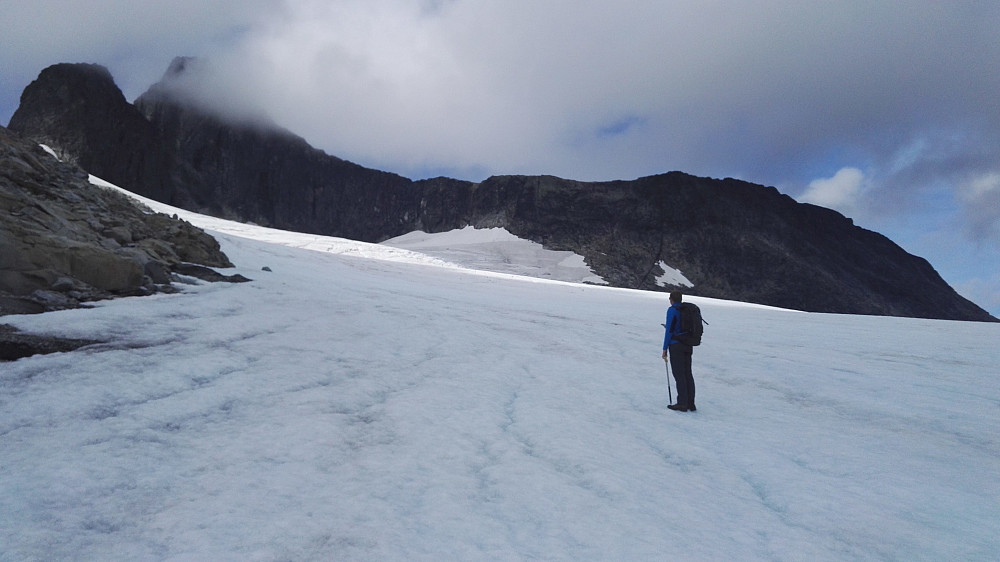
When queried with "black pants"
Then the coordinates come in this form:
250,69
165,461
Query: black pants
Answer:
680,364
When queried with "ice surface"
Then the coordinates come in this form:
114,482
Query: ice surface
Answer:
362,402
496,249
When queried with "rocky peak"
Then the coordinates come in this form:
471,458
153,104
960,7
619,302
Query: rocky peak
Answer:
63,95
177,67
79,112
192,88
179,84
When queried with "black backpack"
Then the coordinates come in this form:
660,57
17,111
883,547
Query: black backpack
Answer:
692,325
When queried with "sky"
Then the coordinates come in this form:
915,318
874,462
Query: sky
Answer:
884,111
364,402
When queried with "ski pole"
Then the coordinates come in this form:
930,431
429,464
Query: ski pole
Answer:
666,363
670,393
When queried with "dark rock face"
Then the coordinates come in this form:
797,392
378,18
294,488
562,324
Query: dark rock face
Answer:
91,114
65,241
274,178
731,239
15,344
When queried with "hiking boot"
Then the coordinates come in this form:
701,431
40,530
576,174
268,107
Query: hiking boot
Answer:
677,407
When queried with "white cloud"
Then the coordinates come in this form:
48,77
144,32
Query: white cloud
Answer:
510,87
981,200
984,186
840,192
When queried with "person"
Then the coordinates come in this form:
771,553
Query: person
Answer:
679,355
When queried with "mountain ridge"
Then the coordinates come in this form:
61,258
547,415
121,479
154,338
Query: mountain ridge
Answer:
742,241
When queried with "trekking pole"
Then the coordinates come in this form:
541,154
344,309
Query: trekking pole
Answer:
666,363
670,393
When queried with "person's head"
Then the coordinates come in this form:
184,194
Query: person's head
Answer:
676,296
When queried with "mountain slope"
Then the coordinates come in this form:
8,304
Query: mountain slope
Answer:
731,239
353,408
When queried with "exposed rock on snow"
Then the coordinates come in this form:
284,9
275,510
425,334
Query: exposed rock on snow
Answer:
15,344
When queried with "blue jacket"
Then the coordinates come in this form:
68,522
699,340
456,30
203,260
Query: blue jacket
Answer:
673,316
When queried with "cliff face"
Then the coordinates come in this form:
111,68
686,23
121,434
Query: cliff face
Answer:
731,239
257,172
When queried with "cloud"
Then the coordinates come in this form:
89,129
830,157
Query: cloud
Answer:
981,199
840,192
758,91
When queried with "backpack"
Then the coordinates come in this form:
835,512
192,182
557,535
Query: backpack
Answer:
692,325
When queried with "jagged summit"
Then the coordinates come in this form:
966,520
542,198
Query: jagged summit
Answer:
182,80
194,83
178,66
82,93
731,239
79,111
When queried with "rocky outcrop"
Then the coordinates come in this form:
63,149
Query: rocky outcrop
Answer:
66,241
15,344
731,239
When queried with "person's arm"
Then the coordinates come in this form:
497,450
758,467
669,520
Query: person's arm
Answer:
667,336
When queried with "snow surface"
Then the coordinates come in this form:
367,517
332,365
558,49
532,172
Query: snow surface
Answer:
51,152
496,249
362,402
672,277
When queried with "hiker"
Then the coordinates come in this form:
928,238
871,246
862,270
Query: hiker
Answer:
679,355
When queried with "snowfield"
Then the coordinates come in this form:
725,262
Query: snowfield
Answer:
495,249
362,402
